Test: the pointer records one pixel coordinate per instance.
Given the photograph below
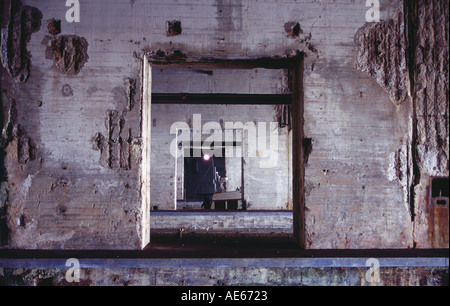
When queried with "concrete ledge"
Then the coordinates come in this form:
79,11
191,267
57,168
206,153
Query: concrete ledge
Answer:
226,263
227,223
227,272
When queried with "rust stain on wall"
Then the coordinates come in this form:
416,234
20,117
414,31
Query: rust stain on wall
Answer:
438,213
438,226
174,28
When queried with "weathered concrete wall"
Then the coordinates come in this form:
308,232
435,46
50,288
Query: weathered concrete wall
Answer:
71,114
237,272
429,73
408,56
62,194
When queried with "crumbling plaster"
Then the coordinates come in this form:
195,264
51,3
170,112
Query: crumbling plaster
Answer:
72,195
408,56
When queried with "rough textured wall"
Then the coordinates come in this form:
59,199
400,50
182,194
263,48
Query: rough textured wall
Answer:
354,128
408,56
429,72
382,53
72,146
25,20
61,191
229,224
224,276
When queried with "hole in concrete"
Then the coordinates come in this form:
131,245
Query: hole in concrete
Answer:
68,52
440,191
67,91
62,209
54,27
440,187
21,221
293,29
441,202
174,28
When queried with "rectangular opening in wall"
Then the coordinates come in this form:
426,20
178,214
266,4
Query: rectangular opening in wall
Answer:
437,212
203,177
440,191
222,141
224,148
245,149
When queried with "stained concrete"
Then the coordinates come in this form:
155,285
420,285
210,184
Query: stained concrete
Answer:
370,160
68,52
15,57
193,223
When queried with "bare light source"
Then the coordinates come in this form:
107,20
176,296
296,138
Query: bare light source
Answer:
206,157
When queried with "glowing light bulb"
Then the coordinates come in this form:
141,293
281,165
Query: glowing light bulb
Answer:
206,157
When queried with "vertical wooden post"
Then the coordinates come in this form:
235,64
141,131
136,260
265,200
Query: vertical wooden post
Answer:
297,154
